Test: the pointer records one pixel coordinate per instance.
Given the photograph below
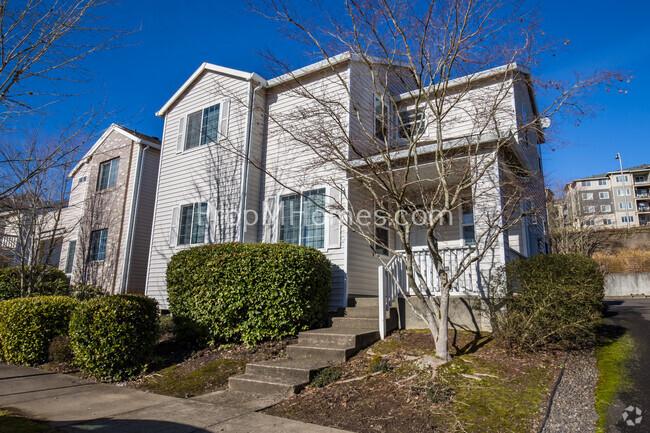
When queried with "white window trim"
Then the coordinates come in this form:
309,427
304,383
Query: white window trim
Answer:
222,103
65,264
207,236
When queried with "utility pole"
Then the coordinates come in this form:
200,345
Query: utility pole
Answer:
627,213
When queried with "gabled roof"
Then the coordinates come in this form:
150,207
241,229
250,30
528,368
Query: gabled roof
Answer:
252,76
137,137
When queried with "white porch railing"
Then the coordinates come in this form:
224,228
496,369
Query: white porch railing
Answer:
393,275
8,242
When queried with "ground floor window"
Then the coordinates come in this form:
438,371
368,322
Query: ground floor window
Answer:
98,245
192,224
69,260
302,219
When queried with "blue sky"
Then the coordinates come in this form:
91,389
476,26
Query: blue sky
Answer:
176,37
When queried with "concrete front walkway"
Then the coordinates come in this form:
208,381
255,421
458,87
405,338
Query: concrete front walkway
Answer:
75,405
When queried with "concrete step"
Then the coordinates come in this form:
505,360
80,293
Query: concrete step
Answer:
355,322
326,354
363,302
362,312
339,337
300,370
259,384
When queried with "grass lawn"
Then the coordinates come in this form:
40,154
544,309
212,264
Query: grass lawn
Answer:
389,387
13,423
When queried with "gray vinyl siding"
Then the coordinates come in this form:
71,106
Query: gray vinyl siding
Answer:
209,173
139,255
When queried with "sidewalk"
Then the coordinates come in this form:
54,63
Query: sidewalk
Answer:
76,405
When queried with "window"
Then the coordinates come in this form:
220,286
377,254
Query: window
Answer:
108,174
603,194
97,245
381,113
627,219
202,127
302,220
590,209
192,224
381,236
622,205
625,191
69,260
587,195
412,125
586,183
607,222
605,208
590,223
621,178
468,224
602,182
639,179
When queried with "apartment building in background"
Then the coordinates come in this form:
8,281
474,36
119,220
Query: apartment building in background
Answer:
609,200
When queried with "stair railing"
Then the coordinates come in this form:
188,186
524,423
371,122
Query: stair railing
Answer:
391,277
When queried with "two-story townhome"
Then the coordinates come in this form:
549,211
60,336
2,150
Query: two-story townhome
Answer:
235,166
108,219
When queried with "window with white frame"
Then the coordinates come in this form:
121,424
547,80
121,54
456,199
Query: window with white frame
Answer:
603,194
69,260
605,208
602,182
639,179
590,222
624,205
607,221
108,174
381,114
586,183
98,245
302,220
381,234
192,224
202,127
621,178
587,195
627,219
467,221
621,191
590,209
412,124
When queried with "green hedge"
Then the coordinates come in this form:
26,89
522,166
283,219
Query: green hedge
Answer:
48,281
112,337
553,300
27,325
248,292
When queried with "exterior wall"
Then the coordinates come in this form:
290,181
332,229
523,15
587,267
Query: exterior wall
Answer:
304,170
637,284
209,173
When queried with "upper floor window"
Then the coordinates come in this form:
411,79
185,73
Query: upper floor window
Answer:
590,209
628,219
603,194
624,205
607,221
193,218
602,182
302,220
586,183
639,179
625,191
605,208
621,178
381,114
98,245
587,196
412,124
202,127
108,174
69,260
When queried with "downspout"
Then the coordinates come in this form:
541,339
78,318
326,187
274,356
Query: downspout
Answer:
245,166
126,269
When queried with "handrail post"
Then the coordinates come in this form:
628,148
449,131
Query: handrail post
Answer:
381,301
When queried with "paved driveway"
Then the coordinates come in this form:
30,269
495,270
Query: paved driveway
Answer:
633,315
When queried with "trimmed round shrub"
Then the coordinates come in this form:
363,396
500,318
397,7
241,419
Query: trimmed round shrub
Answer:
551,301
236,292
112,337
28,325
48,281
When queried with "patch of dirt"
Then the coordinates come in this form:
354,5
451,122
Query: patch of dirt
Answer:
480,390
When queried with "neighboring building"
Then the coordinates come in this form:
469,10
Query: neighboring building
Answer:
108,220
601,200
206,187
